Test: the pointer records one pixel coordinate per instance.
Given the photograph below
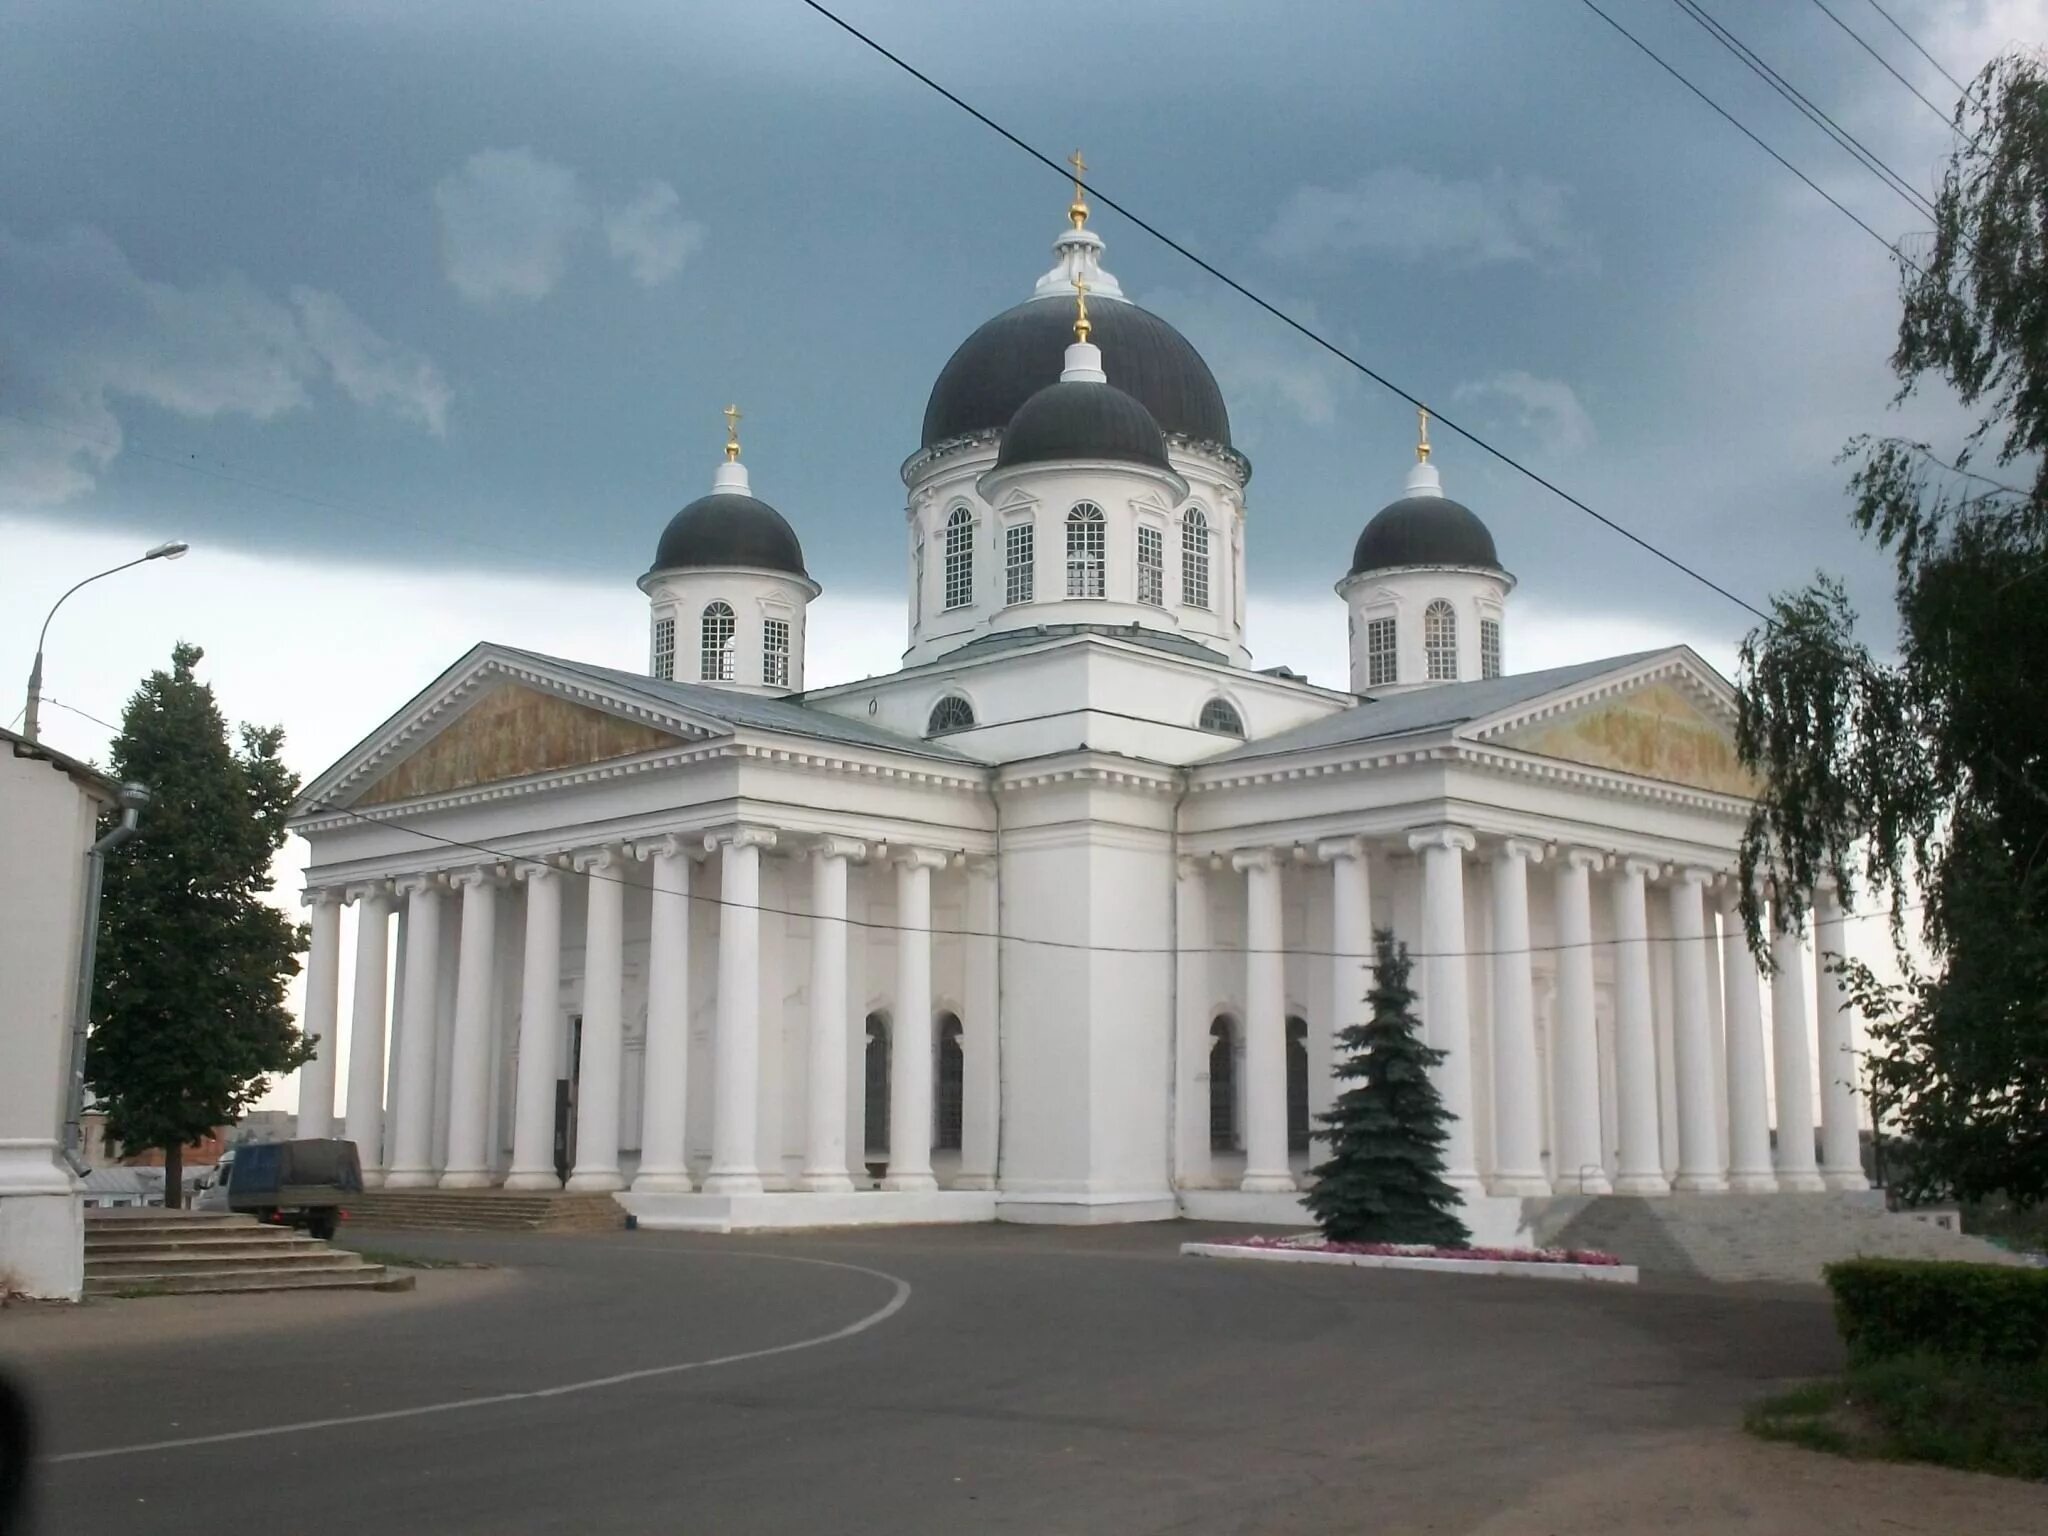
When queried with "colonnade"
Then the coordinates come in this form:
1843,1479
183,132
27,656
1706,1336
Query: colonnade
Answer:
397,1147
1715,1034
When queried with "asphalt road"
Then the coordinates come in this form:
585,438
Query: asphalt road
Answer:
931,1380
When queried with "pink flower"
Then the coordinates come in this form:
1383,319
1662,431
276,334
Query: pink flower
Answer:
1317,1244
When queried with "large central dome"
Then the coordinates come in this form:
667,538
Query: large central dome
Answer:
1020,351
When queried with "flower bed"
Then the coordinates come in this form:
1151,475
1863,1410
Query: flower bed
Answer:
1319,1244
1312,1248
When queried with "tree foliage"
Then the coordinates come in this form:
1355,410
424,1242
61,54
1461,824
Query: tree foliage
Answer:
1384,1180
189,1007
1926,773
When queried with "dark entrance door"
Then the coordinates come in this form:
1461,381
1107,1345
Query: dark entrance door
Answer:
565,1103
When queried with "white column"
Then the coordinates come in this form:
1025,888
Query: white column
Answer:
597,1071
665,1068
1841,1150
1517,1086
825,1127
1692,1037
322,1014
1351,957
1641,1170
1446,996
469,1062
1578,1159
1265,1027
540,1033
981,1086
364,1123
412,1106
736,1047
1749,1115
910,1045
1790,1054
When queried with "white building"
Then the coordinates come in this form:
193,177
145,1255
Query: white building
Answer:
1057,922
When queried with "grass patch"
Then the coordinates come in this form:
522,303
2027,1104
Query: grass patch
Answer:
1979,1416
393,1260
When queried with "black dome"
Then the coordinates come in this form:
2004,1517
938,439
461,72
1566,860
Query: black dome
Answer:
1081,420
726,528
1424,530
1020,351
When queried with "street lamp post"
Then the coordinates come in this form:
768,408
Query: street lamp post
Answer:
32,714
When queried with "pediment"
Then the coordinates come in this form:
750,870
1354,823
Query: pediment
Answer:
1669,727
511,731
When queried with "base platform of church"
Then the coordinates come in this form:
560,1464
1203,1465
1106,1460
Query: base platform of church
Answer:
793,1210
484,1210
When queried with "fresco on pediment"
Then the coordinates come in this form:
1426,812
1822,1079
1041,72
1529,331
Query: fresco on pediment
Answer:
1654,731
509,733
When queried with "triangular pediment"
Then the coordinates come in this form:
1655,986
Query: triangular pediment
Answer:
511,731
1673,723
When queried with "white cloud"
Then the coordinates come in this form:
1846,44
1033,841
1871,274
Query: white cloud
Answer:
508,219
651,236
82,327
1413,215
1549,408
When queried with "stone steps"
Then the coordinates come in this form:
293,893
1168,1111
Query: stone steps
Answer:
485,1210
185,1253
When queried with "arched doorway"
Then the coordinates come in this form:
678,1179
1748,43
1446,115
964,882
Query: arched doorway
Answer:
876,1088
950,1084
1223,1084
1297,1084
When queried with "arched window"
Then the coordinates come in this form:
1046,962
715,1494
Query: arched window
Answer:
875,1088
1017,558
1221,716
1223,1086
1087,551
950,1085
1194,558
1440,641
1151,567
775,652
716,659
960,558
1297,1084
952,713
664,649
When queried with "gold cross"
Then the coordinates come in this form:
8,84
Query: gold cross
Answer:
1422,448
732,433
1079,211
1081,325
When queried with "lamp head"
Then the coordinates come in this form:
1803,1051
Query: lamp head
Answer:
169,551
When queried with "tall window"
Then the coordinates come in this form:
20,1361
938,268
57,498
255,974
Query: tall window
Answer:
875,1088
1087,551
959,558
1440,641
1194,559
1297,1085
1017,558
1221,716
1222,1086
950,1089
1151,567
1489,647
717,644
775,653
664,648
952,713
1381,669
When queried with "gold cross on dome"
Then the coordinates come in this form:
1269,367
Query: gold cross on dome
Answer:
732,433
1422,447
1081,325
1079,212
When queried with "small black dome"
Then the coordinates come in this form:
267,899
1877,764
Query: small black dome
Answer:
1020,351
1075,419
1424,530
726,528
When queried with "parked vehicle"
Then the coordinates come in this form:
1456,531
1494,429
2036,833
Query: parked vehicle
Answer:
295,1183
211,1193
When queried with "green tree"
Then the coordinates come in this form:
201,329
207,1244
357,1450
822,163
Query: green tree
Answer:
1926,772
189,1008
1384,1180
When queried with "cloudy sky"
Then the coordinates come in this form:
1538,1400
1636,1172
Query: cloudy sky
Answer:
416,320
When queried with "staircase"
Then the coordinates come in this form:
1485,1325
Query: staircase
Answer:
1751,1237
484,1210
154,1253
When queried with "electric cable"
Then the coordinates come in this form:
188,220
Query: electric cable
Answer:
1828,12
1910,38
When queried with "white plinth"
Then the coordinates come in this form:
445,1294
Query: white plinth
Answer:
42,1245
794,1210
1084,1208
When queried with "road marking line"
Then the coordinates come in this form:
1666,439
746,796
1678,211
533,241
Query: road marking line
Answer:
882,1314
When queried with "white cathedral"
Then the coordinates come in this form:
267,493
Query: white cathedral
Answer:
1059,921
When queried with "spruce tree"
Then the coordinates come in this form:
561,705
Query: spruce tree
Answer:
1384,1180
189,1015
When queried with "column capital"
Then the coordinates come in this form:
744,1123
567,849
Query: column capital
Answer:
595,860
1526,849
1583,858
739,837
374,890
480,875
1442,837
852,849
917,858
535,869
1254,858
413,885
1693,874
1828,906
1331,849
1193,866
1639,868
670,844
323,896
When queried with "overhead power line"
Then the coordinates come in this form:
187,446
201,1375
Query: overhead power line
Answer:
1066,173
1910,38
1828,12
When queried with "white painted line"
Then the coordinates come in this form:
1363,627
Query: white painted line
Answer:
1611,1274
882,1314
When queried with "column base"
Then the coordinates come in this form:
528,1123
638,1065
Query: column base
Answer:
910,1183
1524,1186
1642,1184
373,1178
1804,1181
974,1181
410,1178
466,1178
735,1182
596,1181
657,1182
1593,1181
1753,1182
1844,1179
1699,1184
534,1183
1267,1184
830,1182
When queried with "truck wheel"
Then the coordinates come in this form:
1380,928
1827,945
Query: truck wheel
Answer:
322,1225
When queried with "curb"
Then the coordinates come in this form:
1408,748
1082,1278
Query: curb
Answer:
1610,1274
